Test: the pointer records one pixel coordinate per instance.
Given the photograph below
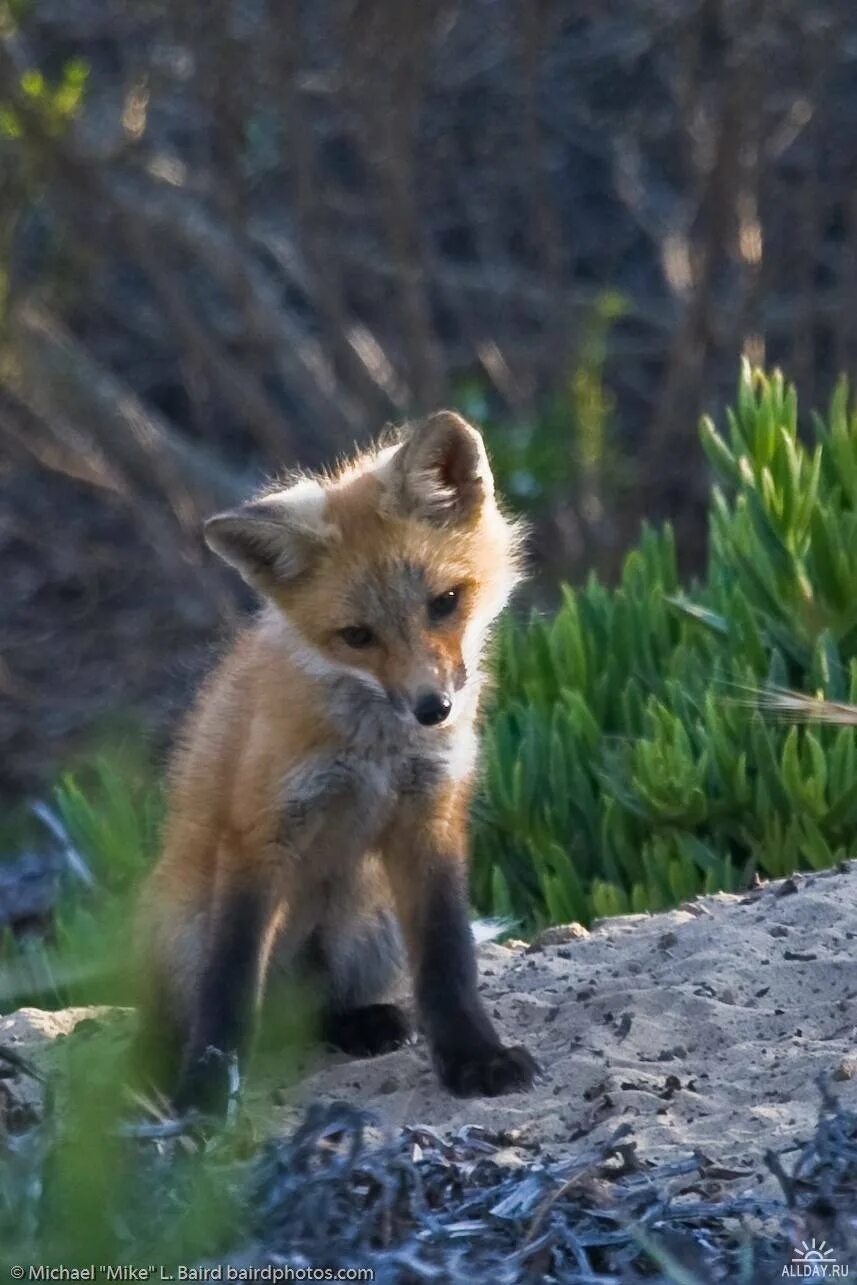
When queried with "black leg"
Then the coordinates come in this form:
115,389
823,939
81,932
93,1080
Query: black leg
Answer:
468,1054
354,959
226,1004
367,1031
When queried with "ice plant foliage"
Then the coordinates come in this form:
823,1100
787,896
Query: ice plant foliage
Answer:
637,753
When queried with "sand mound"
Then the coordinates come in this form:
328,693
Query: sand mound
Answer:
705,1027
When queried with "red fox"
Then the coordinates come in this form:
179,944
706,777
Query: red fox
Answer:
319,801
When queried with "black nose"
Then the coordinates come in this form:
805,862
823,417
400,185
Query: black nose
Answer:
432,708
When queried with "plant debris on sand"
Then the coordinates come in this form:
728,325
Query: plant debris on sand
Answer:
411,1205
420,1207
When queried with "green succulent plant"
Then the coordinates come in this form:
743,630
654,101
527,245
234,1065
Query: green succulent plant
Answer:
628,764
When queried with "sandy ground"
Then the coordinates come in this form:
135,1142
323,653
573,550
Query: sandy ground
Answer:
705,1028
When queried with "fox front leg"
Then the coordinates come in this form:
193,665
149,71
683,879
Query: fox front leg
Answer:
226,999
468,1054
429,886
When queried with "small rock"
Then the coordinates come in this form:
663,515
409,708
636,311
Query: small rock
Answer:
559,935
671,1085
846,1070
623,1025
695,908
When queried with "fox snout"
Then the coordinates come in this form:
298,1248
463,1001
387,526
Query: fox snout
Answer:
432,706
430,694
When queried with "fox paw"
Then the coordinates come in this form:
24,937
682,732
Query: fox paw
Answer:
368,1031
488,1072
208,1084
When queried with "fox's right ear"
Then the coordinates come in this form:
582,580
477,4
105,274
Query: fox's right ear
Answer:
274,540
441,471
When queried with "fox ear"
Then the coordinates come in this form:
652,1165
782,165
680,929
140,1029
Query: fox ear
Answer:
442,470
273,540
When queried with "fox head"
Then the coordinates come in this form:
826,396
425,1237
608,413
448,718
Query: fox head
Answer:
391,570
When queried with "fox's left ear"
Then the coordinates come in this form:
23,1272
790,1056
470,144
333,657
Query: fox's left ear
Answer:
441,472
274,540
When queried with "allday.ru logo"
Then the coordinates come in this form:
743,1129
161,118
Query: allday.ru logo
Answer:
814,1261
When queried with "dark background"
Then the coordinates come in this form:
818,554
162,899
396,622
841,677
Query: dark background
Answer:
244,234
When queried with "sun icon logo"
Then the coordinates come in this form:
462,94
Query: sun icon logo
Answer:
815,1256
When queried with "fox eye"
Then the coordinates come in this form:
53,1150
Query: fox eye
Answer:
357,636
443,605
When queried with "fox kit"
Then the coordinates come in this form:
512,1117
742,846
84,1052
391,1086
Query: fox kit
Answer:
318,813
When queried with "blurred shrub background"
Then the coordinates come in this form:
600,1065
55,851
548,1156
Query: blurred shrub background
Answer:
246,233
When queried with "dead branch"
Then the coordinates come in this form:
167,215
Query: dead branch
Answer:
63,384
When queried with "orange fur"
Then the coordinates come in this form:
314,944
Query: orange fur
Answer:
302,773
